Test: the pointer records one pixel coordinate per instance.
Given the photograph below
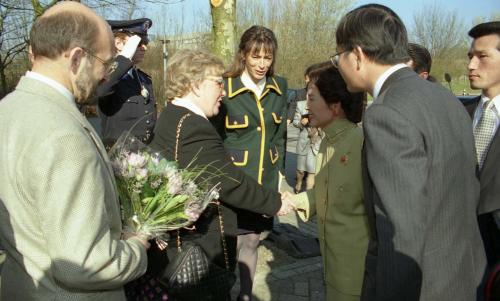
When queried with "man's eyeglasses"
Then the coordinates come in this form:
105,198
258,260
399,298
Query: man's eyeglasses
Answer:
336,57
107,64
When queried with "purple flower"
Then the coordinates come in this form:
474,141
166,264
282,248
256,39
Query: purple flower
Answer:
155,184
175,183
190,188
141,173
136,160
193,211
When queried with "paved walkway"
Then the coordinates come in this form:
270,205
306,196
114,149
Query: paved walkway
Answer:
281,277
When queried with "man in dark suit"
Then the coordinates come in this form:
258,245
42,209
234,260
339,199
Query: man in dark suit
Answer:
420,60
420,186
484,74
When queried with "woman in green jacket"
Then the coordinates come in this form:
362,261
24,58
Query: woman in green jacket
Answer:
337,198
252,124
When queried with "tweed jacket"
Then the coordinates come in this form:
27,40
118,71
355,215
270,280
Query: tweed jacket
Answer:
200,145
59,211
421,195
337,200
253,130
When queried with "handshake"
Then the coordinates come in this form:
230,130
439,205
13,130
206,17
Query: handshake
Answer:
287,204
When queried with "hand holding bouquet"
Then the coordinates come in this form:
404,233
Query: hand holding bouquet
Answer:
156,196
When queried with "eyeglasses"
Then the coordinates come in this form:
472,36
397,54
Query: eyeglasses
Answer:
107,64
218,81
336,57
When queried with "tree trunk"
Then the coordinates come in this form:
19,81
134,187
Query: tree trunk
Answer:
223,28
3,80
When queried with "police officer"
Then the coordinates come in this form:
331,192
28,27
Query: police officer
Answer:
126,100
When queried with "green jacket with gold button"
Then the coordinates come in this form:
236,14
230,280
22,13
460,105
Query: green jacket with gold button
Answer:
253,129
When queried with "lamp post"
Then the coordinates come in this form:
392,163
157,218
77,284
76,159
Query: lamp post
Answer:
164,43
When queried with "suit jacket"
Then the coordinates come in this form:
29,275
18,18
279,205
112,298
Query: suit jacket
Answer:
421,194
490,173
200,145
338,202
59,209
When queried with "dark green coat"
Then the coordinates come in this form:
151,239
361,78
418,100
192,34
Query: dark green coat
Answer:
253,130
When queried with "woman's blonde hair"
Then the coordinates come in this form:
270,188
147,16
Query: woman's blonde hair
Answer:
190,67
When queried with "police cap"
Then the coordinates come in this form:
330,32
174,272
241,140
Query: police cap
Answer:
138,26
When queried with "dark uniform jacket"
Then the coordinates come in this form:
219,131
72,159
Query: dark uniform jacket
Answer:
121,105
200,145
253,131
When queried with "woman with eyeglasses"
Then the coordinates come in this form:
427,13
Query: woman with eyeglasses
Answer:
337,197
126,101
252,123
195,89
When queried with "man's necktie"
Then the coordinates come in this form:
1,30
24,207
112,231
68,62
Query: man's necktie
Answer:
483,133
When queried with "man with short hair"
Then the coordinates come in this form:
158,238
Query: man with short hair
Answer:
420,187
420,61
484,74
60,214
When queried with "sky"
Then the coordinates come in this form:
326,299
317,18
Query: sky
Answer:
193,10
466,9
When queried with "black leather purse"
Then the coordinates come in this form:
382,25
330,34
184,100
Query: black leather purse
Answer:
189,274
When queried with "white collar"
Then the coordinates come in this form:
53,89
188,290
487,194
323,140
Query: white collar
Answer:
250,84
382,78
188,103
54,84
495,100
479,110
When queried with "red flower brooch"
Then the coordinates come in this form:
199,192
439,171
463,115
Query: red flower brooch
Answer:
344,159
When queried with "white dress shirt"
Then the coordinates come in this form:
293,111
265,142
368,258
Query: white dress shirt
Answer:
382,78
189,104
257,88
54,84
479,111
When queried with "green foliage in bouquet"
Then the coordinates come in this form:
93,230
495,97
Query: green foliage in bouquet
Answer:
156,196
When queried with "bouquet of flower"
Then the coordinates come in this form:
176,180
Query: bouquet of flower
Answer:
156,196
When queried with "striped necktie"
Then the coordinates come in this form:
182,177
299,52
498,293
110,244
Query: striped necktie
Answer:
484,131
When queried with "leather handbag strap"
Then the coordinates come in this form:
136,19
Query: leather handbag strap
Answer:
221,221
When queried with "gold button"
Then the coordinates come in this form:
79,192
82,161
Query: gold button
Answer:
262,109
235,122
259,129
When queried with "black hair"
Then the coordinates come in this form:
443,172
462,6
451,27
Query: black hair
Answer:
333,89
485,29
378,31
420,57
315,67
